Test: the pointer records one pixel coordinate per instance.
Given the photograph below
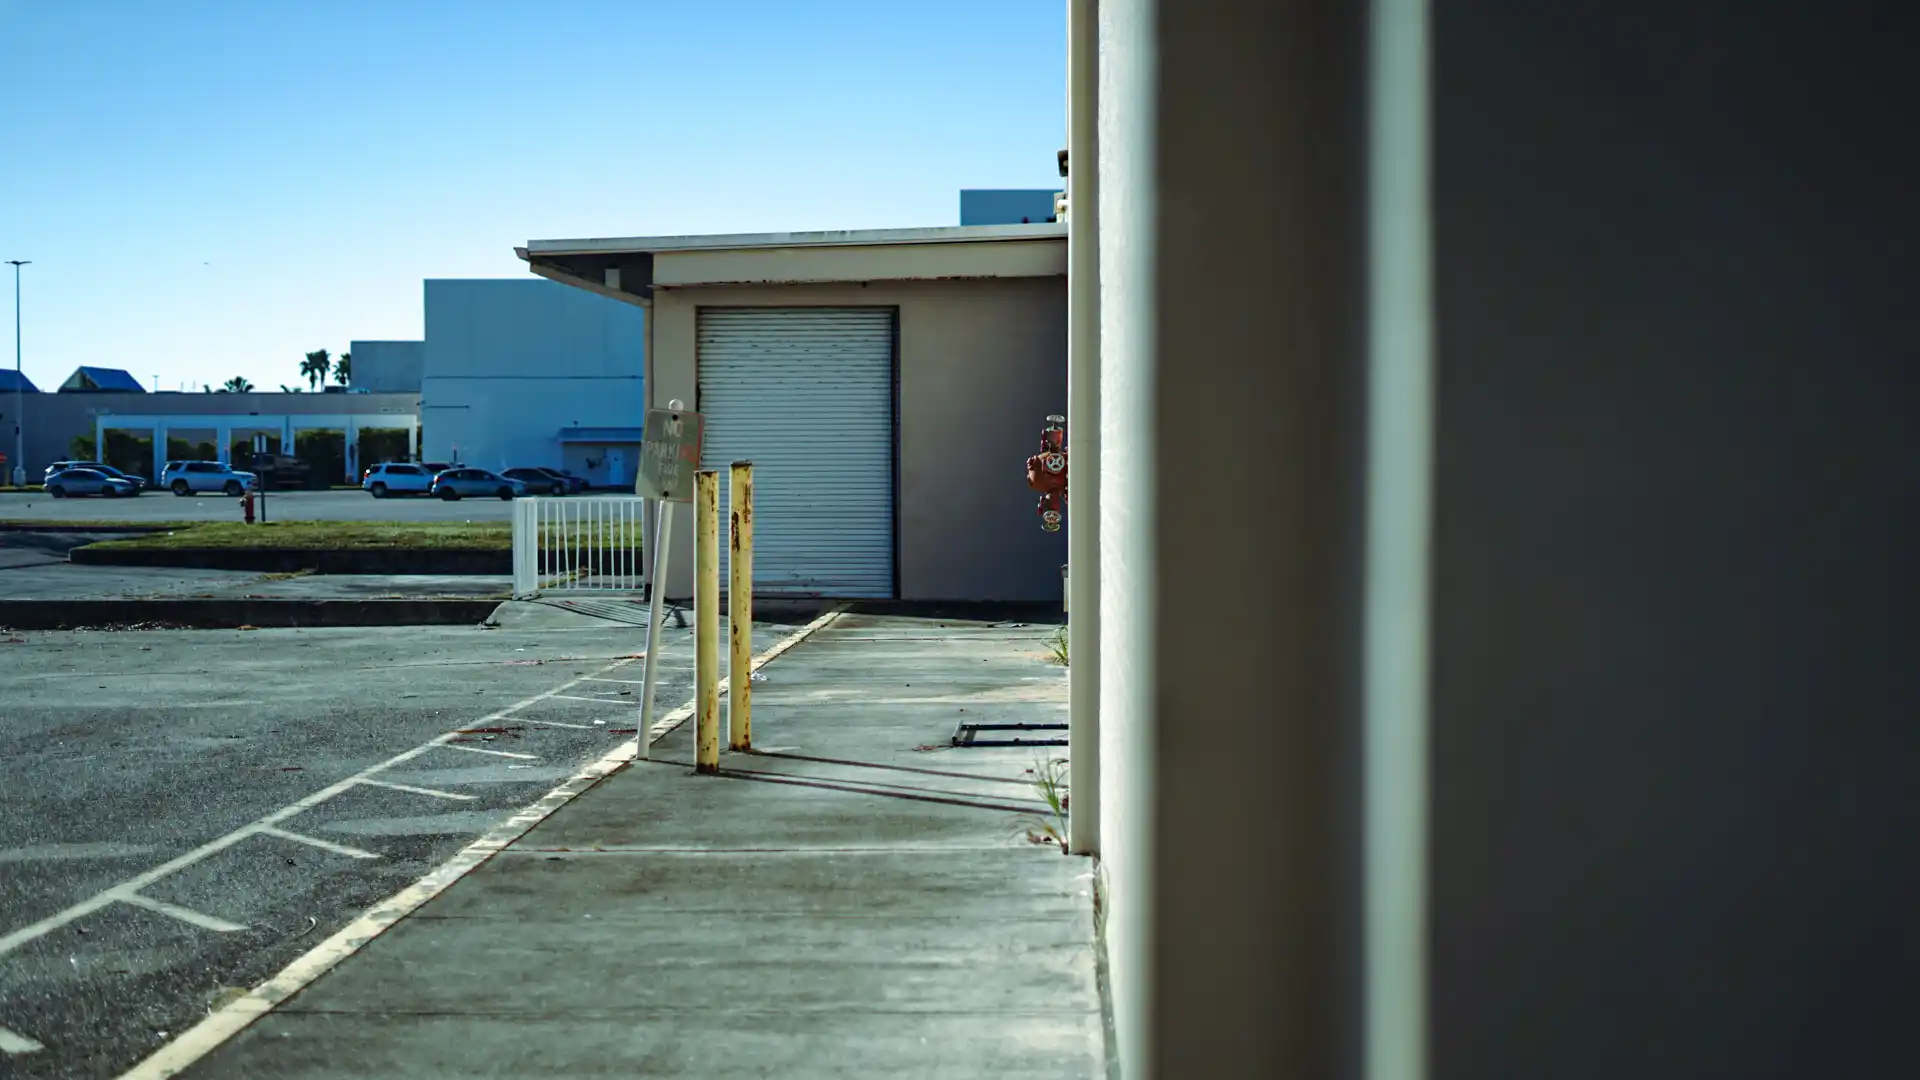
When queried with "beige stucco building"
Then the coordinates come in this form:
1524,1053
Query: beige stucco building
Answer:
887,384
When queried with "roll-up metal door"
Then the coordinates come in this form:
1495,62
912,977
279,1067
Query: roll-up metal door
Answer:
806,394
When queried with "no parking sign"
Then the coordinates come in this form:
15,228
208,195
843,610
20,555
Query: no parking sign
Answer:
669,454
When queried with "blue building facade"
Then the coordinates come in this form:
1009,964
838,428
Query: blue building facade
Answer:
521,373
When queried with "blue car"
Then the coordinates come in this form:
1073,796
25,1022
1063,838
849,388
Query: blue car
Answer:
70,482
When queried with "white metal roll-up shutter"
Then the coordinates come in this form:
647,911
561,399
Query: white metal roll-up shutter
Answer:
806,394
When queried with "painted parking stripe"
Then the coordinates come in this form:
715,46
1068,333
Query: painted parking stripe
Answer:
495,753
13,1043
615,700
314,841
185,914
412,790
551,723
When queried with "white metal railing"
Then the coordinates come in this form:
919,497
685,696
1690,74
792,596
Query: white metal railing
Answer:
578,544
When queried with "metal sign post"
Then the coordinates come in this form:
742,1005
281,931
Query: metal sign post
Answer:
669,454
260,474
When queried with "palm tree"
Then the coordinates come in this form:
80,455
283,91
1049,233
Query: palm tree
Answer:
315,367
285,389
237,385
343,368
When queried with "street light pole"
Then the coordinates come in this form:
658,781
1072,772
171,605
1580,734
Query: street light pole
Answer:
19,384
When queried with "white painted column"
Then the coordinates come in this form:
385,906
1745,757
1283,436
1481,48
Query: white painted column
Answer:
413,440
223,444
352,455
286,434
1083,426
159,448
1129,625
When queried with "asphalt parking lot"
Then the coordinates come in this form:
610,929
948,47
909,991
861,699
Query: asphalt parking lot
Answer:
188,811
281,506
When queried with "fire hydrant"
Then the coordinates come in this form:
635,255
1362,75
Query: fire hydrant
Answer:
246,505
1047,473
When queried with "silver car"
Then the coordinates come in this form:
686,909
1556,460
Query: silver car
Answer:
455,483
190,477
89,482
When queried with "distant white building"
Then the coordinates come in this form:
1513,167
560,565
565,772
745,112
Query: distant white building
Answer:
380,367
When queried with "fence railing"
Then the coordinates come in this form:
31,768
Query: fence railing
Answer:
578,544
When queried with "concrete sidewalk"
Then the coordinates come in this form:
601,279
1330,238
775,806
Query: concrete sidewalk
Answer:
851,900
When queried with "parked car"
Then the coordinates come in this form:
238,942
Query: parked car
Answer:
97,466
89,482
538,481
61,466
455,483
135,479
396,478
283,471
199,477
575,484
436,467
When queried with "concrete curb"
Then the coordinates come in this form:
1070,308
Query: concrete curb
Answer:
58,527
227,614
319,560
1038,612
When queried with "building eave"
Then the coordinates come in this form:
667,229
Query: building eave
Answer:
942,234
631,269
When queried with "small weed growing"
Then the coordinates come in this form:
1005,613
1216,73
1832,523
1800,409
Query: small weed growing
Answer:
1057,648
1049,778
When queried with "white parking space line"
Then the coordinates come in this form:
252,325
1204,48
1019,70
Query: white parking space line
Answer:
184,914
552,723
495,753
102,849
615,700
13,1043
630,682
128,890
314,841
409,788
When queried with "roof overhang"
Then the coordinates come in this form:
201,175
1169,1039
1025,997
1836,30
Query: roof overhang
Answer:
631,269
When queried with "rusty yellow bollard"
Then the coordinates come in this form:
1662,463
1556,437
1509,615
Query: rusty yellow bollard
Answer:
706,619
740,607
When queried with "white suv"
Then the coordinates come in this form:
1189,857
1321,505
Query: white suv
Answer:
397,478
198,477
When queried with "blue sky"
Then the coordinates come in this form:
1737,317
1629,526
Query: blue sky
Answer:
209,189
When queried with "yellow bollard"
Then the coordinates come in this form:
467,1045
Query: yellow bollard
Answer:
706,618
740,608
